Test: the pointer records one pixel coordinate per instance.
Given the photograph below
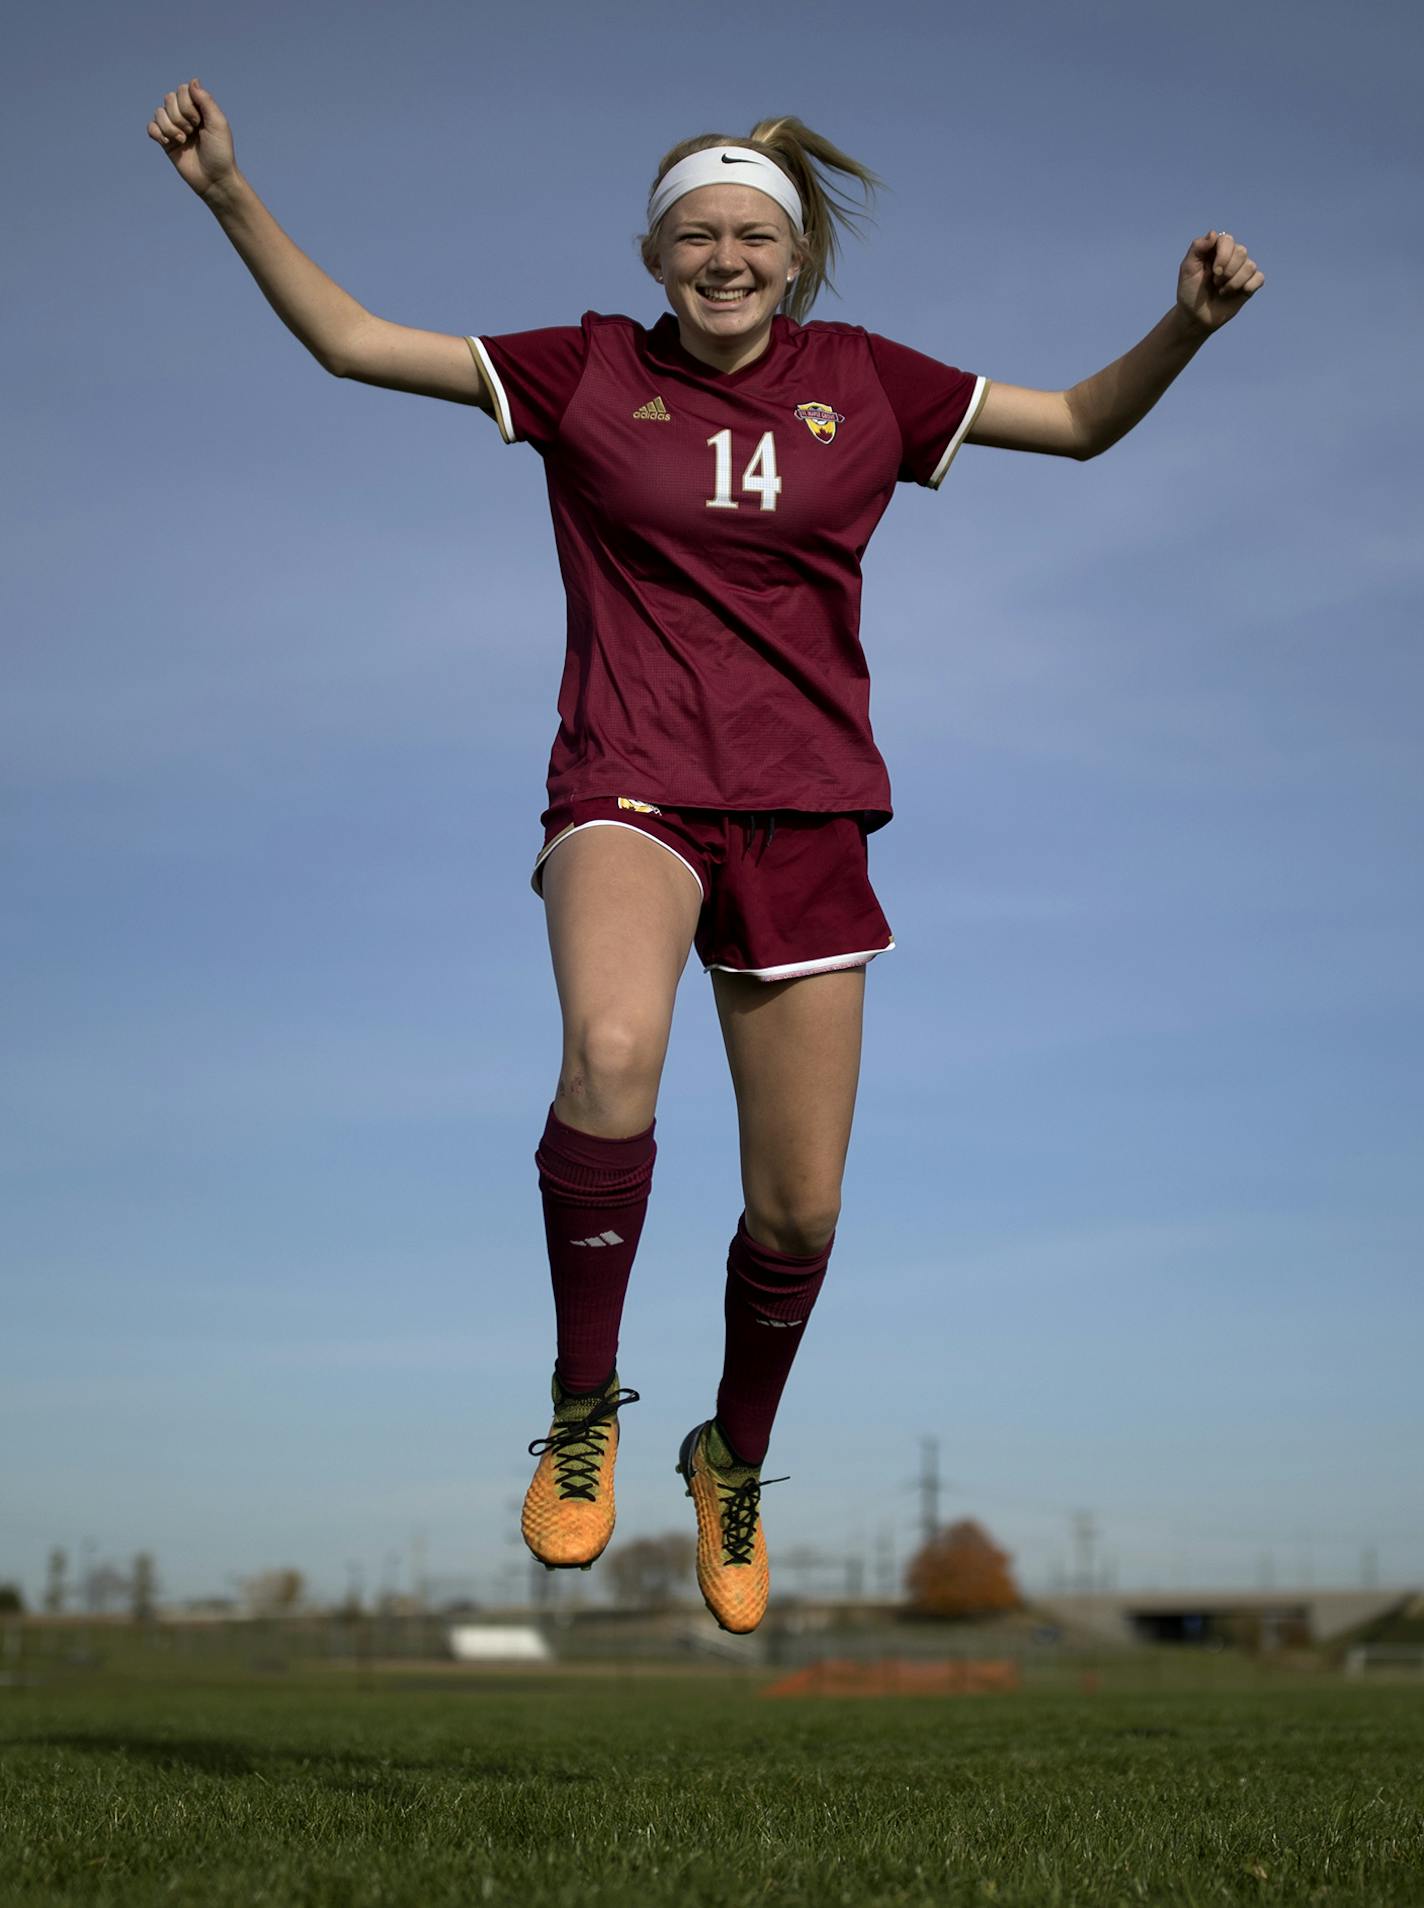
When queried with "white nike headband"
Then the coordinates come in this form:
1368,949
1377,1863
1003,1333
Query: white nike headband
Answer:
725,165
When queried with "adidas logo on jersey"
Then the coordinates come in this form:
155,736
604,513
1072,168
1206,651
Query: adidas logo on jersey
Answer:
599,1239
656,410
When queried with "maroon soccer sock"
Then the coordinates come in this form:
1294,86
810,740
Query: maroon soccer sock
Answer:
769,1298
595,1194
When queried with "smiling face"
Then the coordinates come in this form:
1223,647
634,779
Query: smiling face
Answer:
724,254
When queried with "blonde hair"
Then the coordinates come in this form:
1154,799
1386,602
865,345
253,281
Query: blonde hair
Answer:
805,157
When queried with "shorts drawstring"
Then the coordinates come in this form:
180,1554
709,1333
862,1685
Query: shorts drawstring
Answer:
750,823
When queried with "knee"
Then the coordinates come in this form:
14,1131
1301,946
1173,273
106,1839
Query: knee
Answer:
611,1063
799,1226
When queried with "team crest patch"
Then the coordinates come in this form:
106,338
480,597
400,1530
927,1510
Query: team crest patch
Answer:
820,419
638,808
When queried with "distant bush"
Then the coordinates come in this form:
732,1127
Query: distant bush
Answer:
12,1601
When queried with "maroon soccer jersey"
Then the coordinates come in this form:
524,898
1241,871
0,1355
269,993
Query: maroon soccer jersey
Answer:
710,527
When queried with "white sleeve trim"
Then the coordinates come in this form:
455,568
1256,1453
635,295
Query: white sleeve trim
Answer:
497,390
976,401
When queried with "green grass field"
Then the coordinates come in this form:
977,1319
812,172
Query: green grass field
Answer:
612,1789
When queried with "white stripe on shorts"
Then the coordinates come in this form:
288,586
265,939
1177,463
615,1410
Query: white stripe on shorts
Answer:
793,970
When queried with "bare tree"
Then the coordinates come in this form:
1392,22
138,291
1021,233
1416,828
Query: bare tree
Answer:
646,1571
104,1585
273,1593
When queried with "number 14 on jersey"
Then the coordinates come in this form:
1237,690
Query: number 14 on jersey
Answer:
759,475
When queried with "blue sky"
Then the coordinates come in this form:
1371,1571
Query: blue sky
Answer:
1132,1214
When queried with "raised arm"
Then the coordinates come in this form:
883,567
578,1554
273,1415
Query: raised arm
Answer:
1214,282
343,337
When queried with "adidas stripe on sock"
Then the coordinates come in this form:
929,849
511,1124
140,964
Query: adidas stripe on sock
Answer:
769,1297
595,1197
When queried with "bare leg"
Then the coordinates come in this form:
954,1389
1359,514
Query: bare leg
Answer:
621,912
794,1052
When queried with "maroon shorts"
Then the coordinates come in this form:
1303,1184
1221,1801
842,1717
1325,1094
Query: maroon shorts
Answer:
783,894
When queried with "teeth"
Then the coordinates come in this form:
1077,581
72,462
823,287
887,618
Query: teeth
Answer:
724,297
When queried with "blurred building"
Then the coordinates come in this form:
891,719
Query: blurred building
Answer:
1244,1619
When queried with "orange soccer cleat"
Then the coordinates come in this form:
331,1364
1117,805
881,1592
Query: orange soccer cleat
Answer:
568,1508
732,1570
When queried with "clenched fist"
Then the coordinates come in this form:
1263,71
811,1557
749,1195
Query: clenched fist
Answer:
1216,278
193,130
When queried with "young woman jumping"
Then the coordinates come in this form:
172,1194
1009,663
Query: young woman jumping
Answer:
714,480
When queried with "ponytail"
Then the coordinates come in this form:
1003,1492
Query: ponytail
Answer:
806,158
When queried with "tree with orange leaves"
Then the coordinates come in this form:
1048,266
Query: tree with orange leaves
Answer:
961,1572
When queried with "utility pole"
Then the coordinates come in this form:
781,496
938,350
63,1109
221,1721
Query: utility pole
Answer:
56,1587
885,1585
929,1490
1305,1552
541,1586
1085,1536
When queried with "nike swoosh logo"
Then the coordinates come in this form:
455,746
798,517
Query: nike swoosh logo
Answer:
726,161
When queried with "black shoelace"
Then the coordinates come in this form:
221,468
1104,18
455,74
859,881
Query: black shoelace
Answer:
740,1506
578,1447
